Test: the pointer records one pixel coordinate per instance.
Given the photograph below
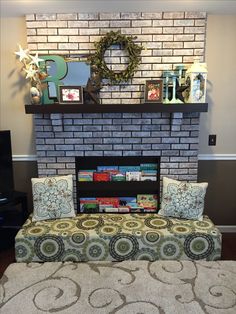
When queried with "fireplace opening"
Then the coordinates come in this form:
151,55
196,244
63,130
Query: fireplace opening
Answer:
118,184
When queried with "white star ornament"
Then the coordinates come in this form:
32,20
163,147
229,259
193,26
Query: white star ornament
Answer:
22,53
36,59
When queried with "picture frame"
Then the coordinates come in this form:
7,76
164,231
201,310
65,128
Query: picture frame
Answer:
154,91
70,94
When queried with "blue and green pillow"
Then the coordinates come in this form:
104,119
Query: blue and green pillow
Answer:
52,197
182,200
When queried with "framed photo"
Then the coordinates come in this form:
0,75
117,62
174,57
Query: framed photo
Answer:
153,91
70,94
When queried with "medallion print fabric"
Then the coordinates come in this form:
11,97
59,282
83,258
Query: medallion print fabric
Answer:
53,197
109,237
183,200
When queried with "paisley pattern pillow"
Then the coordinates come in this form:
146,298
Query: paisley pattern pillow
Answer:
182,200
52,197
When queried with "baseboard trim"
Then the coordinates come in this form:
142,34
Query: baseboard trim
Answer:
24,157
225,229
217,157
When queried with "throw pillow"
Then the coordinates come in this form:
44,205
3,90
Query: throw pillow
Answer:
182,200
52,197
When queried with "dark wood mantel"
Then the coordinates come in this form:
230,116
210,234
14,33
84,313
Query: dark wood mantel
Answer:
145,107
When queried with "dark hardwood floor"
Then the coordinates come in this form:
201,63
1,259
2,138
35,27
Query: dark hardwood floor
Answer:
7,256
228,246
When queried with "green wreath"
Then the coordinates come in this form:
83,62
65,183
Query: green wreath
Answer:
126,42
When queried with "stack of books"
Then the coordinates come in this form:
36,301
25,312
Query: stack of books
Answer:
141,203
143,172
148,172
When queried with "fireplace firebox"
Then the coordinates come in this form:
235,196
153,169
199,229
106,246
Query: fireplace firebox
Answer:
144,184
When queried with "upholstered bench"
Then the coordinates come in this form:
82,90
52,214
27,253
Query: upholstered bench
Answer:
117,237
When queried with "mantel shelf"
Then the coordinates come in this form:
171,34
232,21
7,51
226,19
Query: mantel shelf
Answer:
145,107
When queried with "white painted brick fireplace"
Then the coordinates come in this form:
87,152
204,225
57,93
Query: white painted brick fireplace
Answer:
169,38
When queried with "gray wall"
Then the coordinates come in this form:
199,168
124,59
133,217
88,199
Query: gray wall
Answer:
220,203
220,58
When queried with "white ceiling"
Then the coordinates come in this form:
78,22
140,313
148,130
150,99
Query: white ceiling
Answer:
11,8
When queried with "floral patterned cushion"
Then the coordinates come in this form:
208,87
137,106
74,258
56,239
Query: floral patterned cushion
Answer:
53,197
182,200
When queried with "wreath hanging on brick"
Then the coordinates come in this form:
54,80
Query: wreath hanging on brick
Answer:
126,43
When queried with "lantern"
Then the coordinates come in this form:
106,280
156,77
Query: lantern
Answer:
195,79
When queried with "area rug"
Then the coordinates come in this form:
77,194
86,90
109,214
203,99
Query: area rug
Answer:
131,287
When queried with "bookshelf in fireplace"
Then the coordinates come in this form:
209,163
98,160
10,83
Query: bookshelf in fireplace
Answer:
111,184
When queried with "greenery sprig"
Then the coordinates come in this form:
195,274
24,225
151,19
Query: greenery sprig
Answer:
126,43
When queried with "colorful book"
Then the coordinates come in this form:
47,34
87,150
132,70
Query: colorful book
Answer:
101,176
89,205
149,172
148,166
147,201
133,175
85,175
88,199
125,169
85,179
118,177
110,210
137,209
148,178
105,168
128,201
150,210
108,201
90,208
123,209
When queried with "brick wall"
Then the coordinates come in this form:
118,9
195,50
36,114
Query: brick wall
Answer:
169,39
61,137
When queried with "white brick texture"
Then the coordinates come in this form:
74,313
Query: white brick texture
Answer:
169,38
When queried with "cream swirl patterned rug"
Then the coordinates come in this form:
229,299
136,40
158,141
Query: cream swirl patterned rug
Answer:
131,287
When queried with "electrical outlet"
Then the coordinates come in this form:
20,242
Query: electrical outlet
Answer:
212,140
